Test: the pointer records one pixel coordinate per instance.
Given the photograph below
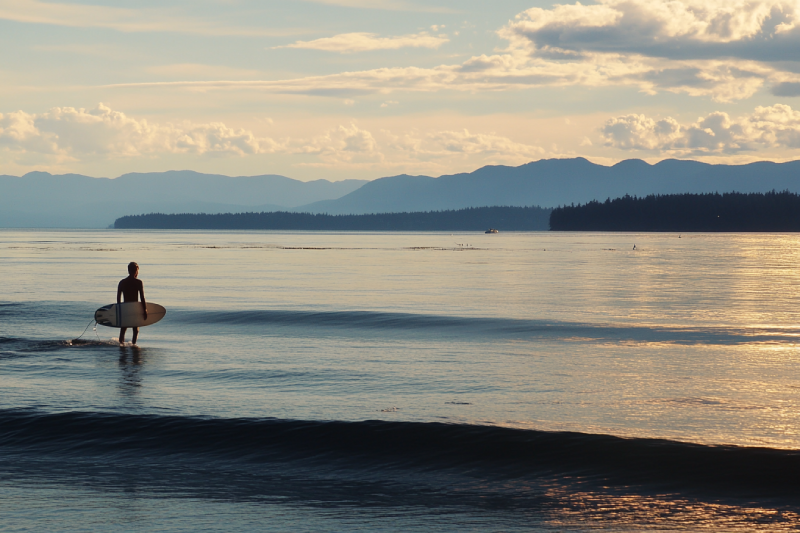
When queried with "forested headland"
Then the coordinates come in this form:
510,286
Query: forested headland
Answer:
471,219
734,212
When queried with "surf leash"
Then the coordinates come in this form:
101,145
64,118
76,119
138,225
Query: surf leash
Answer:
86,328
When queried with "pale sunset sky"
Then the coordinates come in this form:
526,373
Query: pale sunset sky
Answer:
339,89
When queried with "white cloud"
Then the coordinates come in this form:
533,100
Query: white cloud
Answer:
348,43
67,133
661,28
462,143
638,132
776,126
565,17
18,131
70,134
726,49
345,144
431,151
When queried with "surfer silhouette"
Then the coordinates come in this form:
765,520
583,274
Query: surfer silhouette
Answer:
129,289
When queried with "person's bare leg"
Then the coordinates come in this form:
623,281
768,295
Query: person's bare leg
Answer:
122,332
135,335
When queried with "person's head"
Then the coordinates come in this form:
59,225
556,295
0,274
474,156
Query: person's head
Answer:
133,268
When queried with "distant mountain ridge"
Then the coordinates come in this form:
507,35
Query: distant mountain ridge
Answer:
40,199
554,182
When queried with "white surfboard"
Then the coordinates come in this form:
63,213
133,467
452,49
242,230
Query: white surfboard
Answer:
129,315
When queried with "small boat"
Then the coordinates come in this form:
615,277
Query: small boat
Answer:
491,230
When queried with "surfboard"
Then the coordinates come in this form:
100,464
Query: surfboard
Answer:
129,315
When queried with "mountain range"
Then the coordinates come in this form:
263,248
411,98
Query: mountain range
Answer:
43,200
555,182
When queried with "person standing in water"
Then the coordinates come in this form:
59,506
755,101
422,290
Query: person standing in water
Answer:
129,289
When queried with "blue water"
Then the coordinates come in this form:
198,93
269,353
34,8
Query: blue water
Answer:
312,381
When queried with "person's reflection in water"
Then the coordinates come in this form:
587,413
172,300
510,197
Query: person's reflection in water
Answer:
131,360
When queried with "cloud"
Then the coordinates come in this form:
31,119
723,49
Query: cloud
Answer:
504,72
348,43
482,73
776,126
700,48
121,19
726,49
345,144
431,151
69,134
65,135
462,143
343,85
764,30
18,131
716,79
638,132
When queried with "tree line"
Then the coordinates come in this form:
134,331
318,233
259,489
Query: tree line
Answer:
735,212
470,219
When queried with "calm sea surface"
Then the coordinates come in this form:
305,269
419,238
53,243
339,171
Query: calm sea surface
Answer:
314,381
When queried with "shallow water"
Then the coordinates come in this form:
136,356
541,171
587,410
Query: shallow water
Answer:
483,355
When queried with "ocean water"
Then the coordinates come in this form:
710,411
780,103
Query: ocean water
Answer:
316,381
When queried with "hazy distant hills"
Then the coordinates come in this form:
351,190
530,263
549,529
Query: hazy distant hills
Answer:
39,199
43,200
554,182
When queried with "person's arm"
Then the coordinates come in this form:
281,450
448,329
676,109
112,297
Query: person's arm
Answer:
144,303
119,292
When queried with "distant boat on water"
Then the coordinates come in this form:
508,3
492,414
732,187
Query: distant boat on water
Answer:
491,230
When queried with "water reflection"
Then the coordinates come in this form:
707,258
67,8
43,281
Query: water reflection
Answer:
131,361
670,511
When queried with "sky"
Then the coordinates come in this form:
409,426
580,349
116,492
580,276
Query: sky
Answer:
338,89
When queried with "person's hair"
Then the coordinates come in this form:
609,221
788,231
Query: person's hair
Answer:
132,266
